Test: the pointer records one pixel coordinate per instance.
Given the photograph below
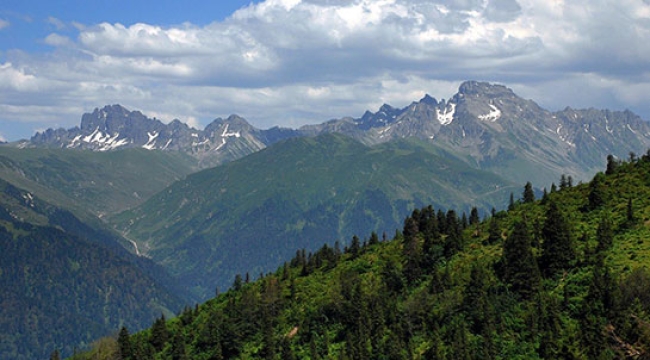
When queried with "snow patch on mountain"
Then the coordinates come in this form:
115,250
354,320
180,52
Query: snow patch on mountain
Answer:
103,142
151,144
492,116
229,134
447,115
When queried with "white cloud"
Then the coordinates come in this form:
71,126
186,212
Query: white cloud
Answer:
292,62
58,40
57,23
4,24
16,79
2,138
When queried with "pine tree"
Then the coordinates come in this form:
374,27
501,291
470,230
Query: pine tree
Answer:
475,300
355,246
411,251
124,344
528,195
374,239
597,191
454,241
558,253
604,234
563,182
238,283
612,165
159,334
544,197
473,216
178,347
494,231
520,268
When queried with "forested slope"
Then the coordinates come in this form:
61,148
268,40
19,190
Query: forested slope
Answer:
564,276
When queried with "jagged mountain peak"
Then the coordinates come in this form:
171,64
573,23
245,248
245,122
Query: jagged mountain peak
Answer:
429,100
473,87
115,127
482,120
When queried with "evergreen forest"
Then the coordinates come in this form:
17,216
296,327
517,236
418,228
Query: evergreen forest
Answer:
559,275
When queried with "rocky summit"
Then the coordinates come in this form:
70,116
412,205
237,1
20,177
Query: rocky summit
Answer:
488,124
114,127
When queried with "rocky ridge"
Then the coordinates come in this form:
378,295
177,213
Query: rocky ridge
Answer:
487,123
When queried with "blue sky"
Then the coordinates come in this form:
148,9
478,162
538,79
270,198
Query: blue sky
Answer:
294,62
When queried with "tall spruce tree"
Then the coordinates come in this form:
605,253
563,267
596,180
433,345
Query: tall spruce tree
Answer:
558,253
597,191
520,269
604,234
529,195
124,344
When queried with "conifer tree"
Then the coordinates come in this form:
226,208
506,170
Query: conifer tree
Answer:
544,197
124,344
558,253
374,239
604,234
454,241
237,284
612,165
520,268
597,191
473,216
355,246
178,347
529,195
494,231
159,333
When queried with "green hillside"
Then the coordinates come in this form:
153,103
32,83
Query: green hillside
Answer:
65,283
97,182
563,277
251,214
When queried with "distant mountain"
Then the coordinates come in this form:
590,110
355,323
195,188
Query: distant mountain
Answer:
64,283
488,124
499,131
251,214
114,127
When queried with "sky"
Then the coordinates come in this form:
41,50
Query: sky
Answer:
296,62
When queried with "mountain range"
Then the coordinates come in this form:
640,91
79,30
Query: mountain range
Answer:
208,205
486,124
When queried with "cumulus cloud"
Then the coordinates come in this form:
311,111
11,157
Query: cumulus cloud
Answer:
292,62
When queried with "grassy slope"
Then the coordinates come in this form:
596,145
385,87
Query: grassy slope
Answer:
86,181
253,213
